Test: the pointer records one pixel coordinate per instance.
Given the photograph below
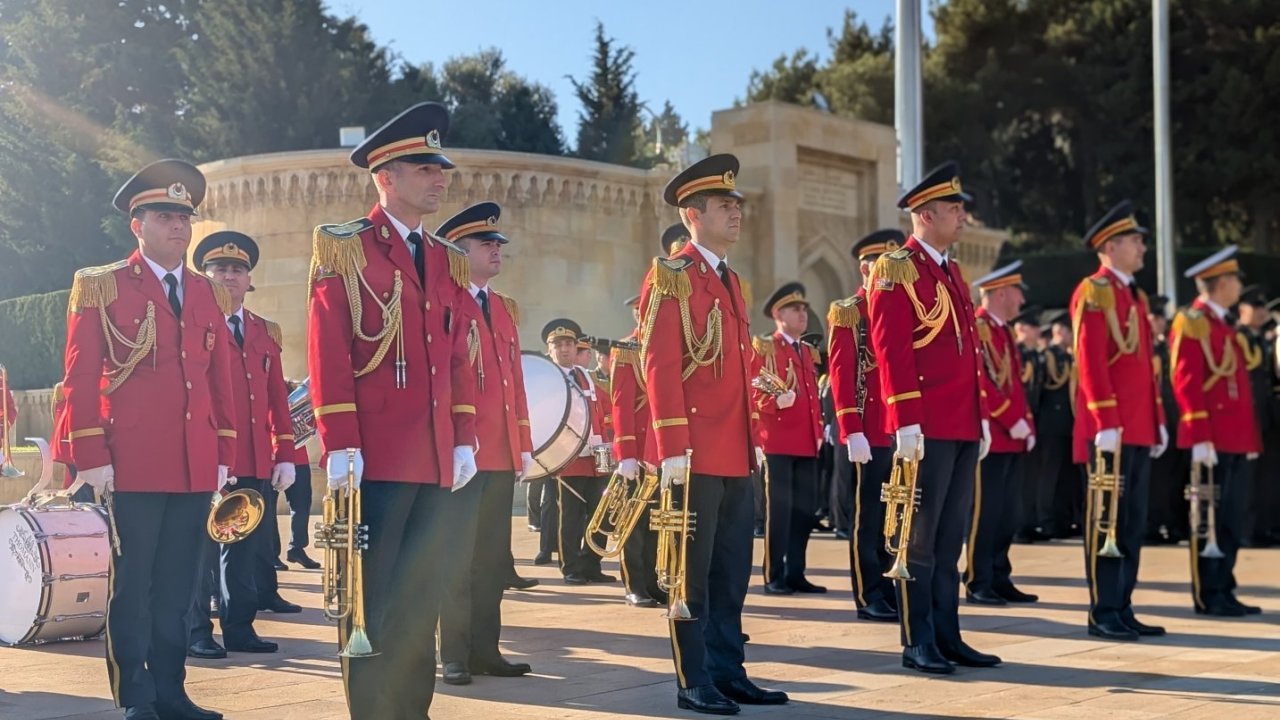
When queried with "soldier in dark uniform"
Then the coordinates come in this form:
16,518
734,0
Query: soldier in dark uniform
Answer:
1167,519
1026,330
1060,500
1257,340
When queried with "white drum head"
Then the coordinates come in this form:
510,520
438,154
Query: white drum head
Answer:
21,575
548,398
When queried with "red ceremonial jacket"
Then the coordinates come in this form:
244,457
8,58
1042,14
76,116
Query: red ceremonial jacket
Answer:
709,411
406,418
930,374
163,417
796,430
585,465
264,430
1118,383
848,352
1002,383
630,404
502,412
1211,383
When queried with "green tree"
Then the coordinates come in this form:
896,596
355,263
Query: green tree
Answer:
609,122
493,108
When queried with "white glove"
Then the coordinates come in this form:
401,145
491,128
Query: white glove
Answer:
225,477
629,468
984,445
337,468
673,470
859,448
526,464
102,478
1108,441
1163,445
1204,454
464,466
1020,430
1031,443
910,442
759,457
786,399
282,476
1251,456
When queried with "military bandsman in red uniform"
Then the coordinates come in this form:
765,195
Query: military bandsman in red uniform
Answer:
998,489
150,413
923,333
1218,423
392,384
791,426
697,365
471,616
1118,411
859,409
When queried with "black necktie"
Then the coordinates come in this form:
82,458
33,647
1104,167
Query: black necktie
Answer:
235,330
723,269
483,297
1133,289
419,259
174,302
795,345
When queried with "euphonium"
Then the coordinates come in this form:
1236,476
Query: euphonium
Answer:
619,512
344,538
235,514
673,552
301,413
900,497
1105,486
1202,495
7,468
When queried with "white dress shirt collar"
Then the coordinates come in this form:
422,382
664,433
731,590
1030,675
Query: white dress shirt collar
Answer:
711,258
403,229
161,272
1217,309
932,252
1124,277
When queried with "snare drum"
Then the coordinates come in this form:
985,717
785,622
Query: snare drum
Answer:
53,573
559,415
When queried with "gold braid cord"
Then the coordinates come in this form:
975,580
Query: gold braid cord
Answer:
474,356
1000,365
95,287
338,250
670,281
1194,325
630,358
1097,294
1057,376
1252,355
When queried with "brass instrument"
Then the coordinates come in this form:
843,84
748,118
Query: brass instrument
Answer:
1202,494
901,497
301,413
234,515
673,554
7,468
619,512
603,455
769,382
1105,486
344,538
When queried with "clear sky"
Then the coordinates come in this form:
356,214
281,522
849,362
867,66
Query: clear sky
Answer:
698,55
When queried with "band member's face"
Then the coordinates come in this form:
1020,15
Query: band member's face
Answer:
635,313
1028,335
1126,252
722,220
1252,315
1228,290
562,351
1159,324
1013,300
1062,335
418,186
233,276
584,357
485,257
947,218
163,234
794,318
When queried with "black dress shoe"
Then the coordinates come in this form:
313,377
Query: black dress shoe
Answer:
1014,595
599,577
778,588
961,654
278,566
1142,628
984,596
300,557
575,579
456,673
206,649
141,712
804,586
926,658
641,601
280,606
746,692
500,667
251,644
879,610
706,699
515,582
1220,608
1248,609
183,709
542,558
1112,628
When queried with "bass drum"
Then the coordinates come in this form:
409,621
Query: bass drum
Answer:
559,415
53,579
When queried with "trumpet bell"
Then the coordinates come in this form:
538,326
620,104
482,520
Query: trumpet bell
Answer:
1110,549
678,609
235,515
9,471
358,645
1211,551
899,571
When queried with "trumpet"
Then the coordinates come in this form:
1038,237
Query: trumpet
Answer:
234,515
673,553
769,382
7,468
344,538
901,497
1105,487
620,511
1202,494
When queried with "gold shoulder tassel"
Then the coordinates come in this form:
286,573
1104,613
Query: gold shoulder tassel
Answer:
747,296
844,313
513,308
894,268
94,287
223,298
1098,294
274,332
984,331
459,266
1192,324
670,278
764,346
625,357
337,249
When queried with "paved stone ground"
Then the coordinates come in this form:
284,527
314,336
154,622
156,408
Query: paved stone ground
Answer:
596,658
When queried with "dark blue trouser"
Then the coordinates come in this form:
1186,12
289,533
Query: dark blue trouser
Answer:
574,512
265,580
208,585
997,493
1112,580
298,497
151,583
471,613
791,499
709,648
1213,580
868,559
241,570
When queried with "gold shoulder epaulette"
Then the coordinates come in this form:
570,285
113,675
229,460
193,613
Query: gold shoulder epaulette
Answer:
670,278
984,330
459,266
625,356
1191,323
223,298
274,332
763,345
1098,294
814,354
894,268
94,287
337,250
844,313
513,308
746,292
